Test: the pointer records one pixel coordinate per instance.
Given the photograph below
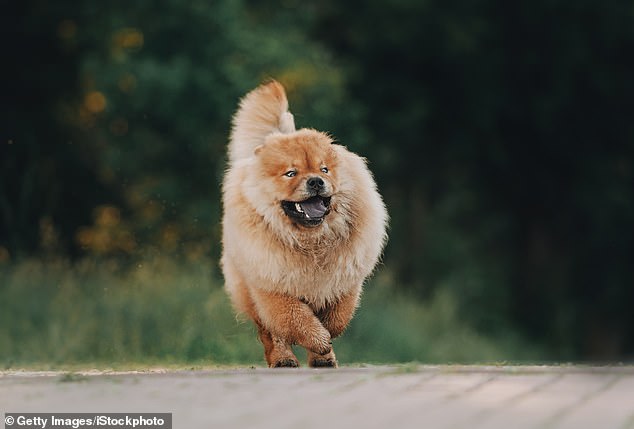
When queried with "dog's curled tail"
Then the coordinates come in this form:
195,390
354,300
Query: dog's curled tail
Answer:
261,112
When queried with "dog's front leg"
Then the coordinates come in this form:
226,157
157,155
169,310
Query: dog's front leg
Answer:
290,321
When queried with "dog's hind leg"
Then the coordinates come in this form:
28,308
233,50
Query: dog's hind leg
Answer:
335,316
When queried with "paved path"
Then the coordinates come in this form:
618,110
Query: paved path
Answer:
451,397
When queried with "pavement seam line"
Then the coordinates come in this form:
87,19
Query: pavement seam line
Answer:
470,389
559,415
419,383
483,415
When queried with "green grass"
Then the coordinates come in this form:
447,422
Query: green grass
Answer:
392,327
54,314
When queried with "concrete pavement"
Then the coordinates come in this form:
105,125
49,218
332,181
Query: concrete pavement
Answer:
410,396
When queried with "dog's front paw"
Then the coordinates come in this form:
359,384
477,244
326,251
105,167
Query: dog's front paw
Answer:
322,361
286,363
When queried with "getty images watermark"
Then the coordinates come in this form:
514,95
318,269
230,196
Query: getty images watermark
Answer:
87,420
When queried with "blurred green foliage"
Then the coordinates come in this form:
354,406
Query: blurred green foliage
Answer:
94,311
500,134
55,313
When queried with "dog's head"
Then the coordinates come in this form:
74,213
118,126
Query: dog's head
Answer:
298,174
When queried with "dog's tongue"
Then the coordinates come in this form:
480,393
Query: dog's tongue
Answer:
314,207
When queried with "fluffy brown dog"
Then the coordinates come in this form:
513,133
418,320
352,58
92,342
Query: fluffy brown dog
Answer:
303,226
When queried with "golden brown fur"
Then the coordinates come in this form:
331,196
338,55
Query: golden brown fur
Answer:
303,226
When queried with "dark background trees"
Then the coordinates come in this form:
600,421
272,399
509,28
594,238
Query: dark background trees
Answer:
501,135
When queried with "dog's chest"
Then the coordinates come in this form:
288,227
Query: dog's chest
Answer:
317,278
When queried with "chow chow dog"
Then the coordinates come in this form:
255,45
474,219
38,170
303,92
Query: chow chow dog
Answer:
303,226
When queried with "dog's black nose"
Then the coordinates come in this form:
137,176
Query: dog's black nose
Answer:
315,183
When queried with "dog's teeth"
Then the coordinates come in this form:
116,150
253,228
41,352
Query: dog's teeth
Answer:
298,208
306,215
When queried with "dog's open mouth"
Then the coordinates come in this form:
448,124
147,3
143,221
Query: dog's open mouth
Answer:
310,212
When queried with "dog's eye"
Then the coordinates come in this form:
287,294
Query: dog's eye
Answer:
290,173
324,169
